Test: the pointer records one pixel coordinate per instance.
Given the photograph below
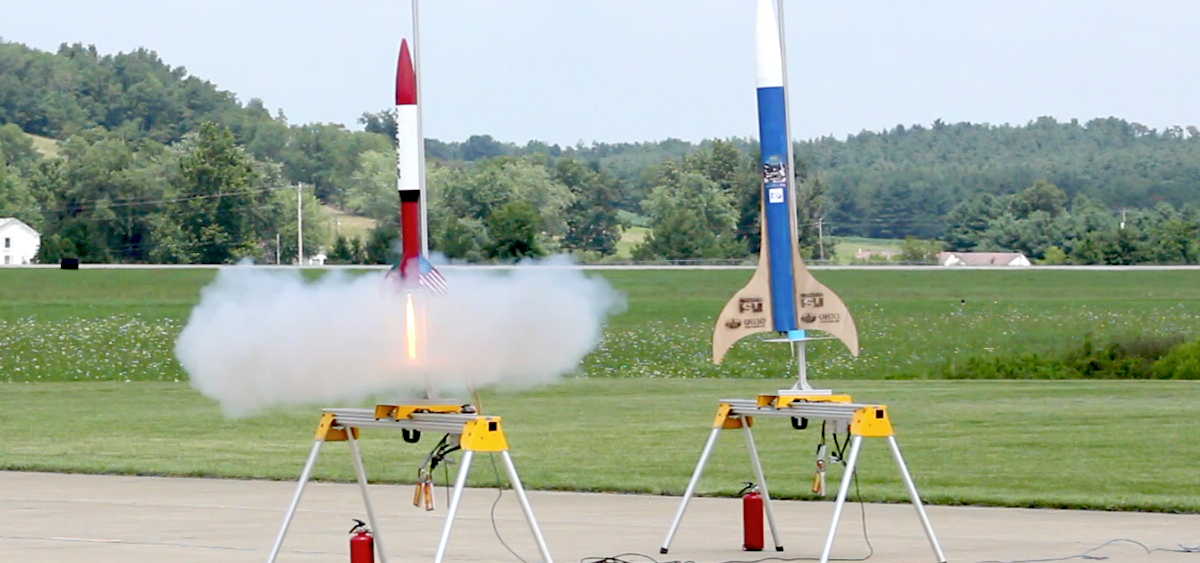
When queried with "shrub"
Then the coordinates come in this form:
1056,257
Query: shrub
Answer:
1123,358
1134,357
1026,366
1181,363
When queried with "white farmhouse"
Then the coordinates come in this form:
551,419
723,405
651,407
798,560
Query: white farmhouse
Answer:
18,242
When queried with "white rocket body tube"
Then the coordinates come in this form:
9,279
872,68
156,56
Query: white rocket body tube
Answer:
408,172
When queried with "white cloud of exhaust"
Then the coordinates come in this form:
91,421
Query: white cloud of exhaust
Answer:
261,338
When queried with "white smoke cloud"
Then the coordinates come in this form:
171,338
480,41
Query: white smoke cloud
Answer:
261,338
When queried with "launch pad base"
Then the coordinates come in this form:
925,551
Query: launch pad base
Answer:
475,433
859,420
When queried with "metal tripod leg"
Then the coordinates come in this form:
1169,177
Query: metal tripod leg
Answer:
528,510
691,488
452,509
362,484
762,484
851,461
916,498
291,511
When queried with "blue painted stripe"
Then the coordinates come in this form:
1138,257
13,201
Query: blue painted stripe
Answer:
772,135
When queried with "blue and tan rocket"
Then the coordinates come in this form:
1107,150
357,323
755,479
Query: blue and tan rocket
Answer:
782,296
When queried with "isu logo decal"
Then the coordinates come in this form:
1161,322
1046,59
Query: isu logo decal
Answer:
750,305
812,300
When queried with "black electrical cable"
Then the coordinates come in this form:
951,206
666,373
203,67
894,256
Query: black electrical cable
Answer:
1088,555
620,558
500,493
863,507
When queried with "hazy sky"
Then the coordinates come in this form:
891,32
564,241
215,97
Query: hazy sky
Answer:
636,70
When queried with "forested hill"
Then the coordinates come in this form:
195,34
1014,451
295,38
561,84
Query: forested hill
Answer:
905,180
151,163
56,95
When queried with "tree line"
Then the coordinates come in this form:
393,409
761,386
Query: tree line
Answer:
156,165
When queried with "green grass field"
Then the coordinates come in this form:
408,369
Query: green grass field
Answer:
69,341
120,324
1101,445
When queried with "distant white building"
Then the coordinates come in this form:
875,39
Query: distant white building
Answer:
18,242
317,259
982,259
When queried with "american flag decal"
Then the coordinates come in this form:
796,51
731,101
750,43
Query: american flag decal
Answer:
432,279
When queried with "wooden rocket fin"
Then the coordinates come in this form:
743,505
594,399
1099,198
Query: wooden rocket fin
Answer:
749,312
818,308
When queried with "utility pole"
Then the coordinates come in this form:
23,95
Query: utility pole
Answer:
821,237
277,248
299,225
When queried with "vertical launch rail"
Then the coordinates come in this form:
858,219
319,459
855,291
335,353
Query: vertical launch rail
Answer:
476,433
863,421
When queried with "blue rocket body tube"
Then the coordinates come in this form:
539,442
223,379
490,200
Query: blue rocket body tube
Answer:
772,131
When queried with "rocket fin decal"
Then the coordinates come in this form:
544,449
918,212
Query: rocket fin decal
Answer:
818,308
749,312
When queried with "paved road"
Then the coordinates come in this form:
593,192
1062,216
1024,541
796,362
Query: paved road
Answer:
107,519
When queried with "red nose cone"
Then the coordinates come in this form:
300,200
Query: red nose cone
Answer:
406,78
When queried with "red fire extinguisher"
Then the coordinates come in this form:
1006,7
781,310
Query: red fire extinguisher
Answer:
752,518
362,545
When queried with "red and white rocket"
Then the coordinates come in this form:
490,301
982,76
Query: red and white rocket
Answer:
410,178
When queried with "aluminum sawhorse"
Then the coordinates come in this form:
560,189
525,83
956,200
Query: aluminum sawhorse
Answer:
475,433
863,421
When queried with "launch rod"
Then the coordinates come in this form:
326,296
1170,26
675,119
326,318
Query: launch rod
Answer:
787,116
424,203
416,25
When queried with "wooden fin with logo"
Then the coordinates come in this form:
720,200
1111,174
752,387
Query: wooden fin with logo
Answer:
818,308
749,312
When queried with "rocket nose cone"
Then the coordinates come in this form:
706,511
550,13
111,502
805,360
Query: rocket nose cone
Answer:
406,78
768,51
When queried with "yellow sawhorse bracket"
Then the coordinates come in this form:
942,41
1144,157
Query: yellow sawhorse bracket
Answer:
476,433
862,421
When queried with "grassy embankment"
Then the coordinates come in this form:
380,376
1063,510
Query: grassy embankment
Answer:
45,145
847,246
630,238
348,225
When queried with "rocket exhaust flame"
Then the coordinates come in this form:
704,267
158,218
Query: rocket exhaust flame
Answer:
410,327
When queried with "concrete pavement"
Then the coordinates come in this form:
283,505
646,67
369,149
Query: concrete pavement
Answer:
111,519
